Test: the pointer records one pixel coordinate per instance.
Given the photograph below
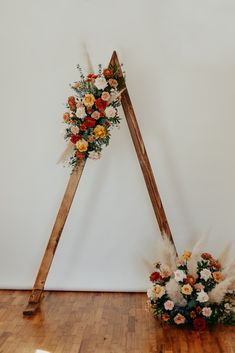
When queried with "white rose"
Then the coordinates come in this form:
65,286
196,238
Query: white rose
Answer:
110,112
205,274
100,83
94,155
180,275
81,113
202,297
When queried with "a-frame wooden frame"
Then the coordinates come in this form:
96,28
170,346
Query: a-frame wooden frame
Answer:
38,288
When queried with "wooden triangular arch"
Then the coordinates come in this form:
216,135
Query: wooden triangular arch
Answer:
38,288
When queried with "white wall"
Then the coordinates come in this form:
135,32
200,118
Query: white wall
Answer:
180,62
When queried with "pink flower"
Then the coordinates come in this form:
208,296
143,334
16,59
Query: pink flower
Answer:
95,115
80,104
179,319
180,262
105,96
74,130
199,286
169,305
207,311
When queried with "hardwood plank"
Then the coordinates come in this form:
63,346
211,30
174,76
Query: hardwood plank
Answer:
72,322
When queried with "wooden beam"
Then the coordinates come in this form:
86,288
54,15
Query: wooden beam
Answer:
37,292
143,156
38,288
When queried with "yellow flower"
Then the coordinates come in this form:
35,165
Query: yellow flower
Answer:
187,289
88,100
82,145
186,255
100,132
158,291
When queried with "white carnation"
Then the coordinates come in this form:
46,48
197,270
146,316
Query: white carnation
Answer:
205,274
110,112
202,297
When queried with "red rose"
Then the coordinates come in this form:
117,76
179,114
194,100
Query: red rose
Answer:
88,109
89,122
100,104
199,324
74,138
155,276
80,155
102,114
82,127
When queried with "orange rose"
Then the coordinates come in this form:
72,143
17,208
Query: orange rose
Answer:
66,117
206,256
190,280
108,73
165,317
72,103
217,276
215,264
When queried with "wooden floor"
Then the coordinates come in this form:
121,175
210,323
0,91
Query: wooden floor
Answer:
72,322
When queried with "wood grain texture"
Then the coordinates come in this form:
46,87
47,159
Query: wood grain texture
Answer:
47,259
72,322
143,157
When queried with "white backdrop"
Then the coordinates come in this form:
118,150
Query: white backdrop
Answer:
180,62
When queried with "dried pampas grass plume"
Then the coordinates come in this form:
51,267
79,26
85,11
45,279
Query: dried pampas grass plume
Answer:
67,153
167,253
196,253
216,295
229,270
173,290
224,256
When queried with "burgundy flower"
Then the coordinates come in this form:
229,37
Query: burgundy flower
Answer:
89,122
100,104
74,138
199,324
155,276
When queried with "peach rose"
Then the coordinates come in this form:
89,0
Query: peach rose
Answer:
186,289
113,83
95,115
74,130
217,276
105,96
158,291
88,100
66,117
179,319
82,145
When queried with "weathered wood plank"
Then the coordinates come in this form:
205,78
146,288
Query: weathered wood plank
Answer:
143,157
62,215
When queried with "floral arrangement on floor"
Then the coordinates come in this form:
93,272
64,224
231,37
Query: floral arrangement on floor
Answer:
91,113
194,289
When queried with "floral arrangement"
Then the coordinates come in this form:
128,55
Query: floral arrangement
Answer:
194,289
91,113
